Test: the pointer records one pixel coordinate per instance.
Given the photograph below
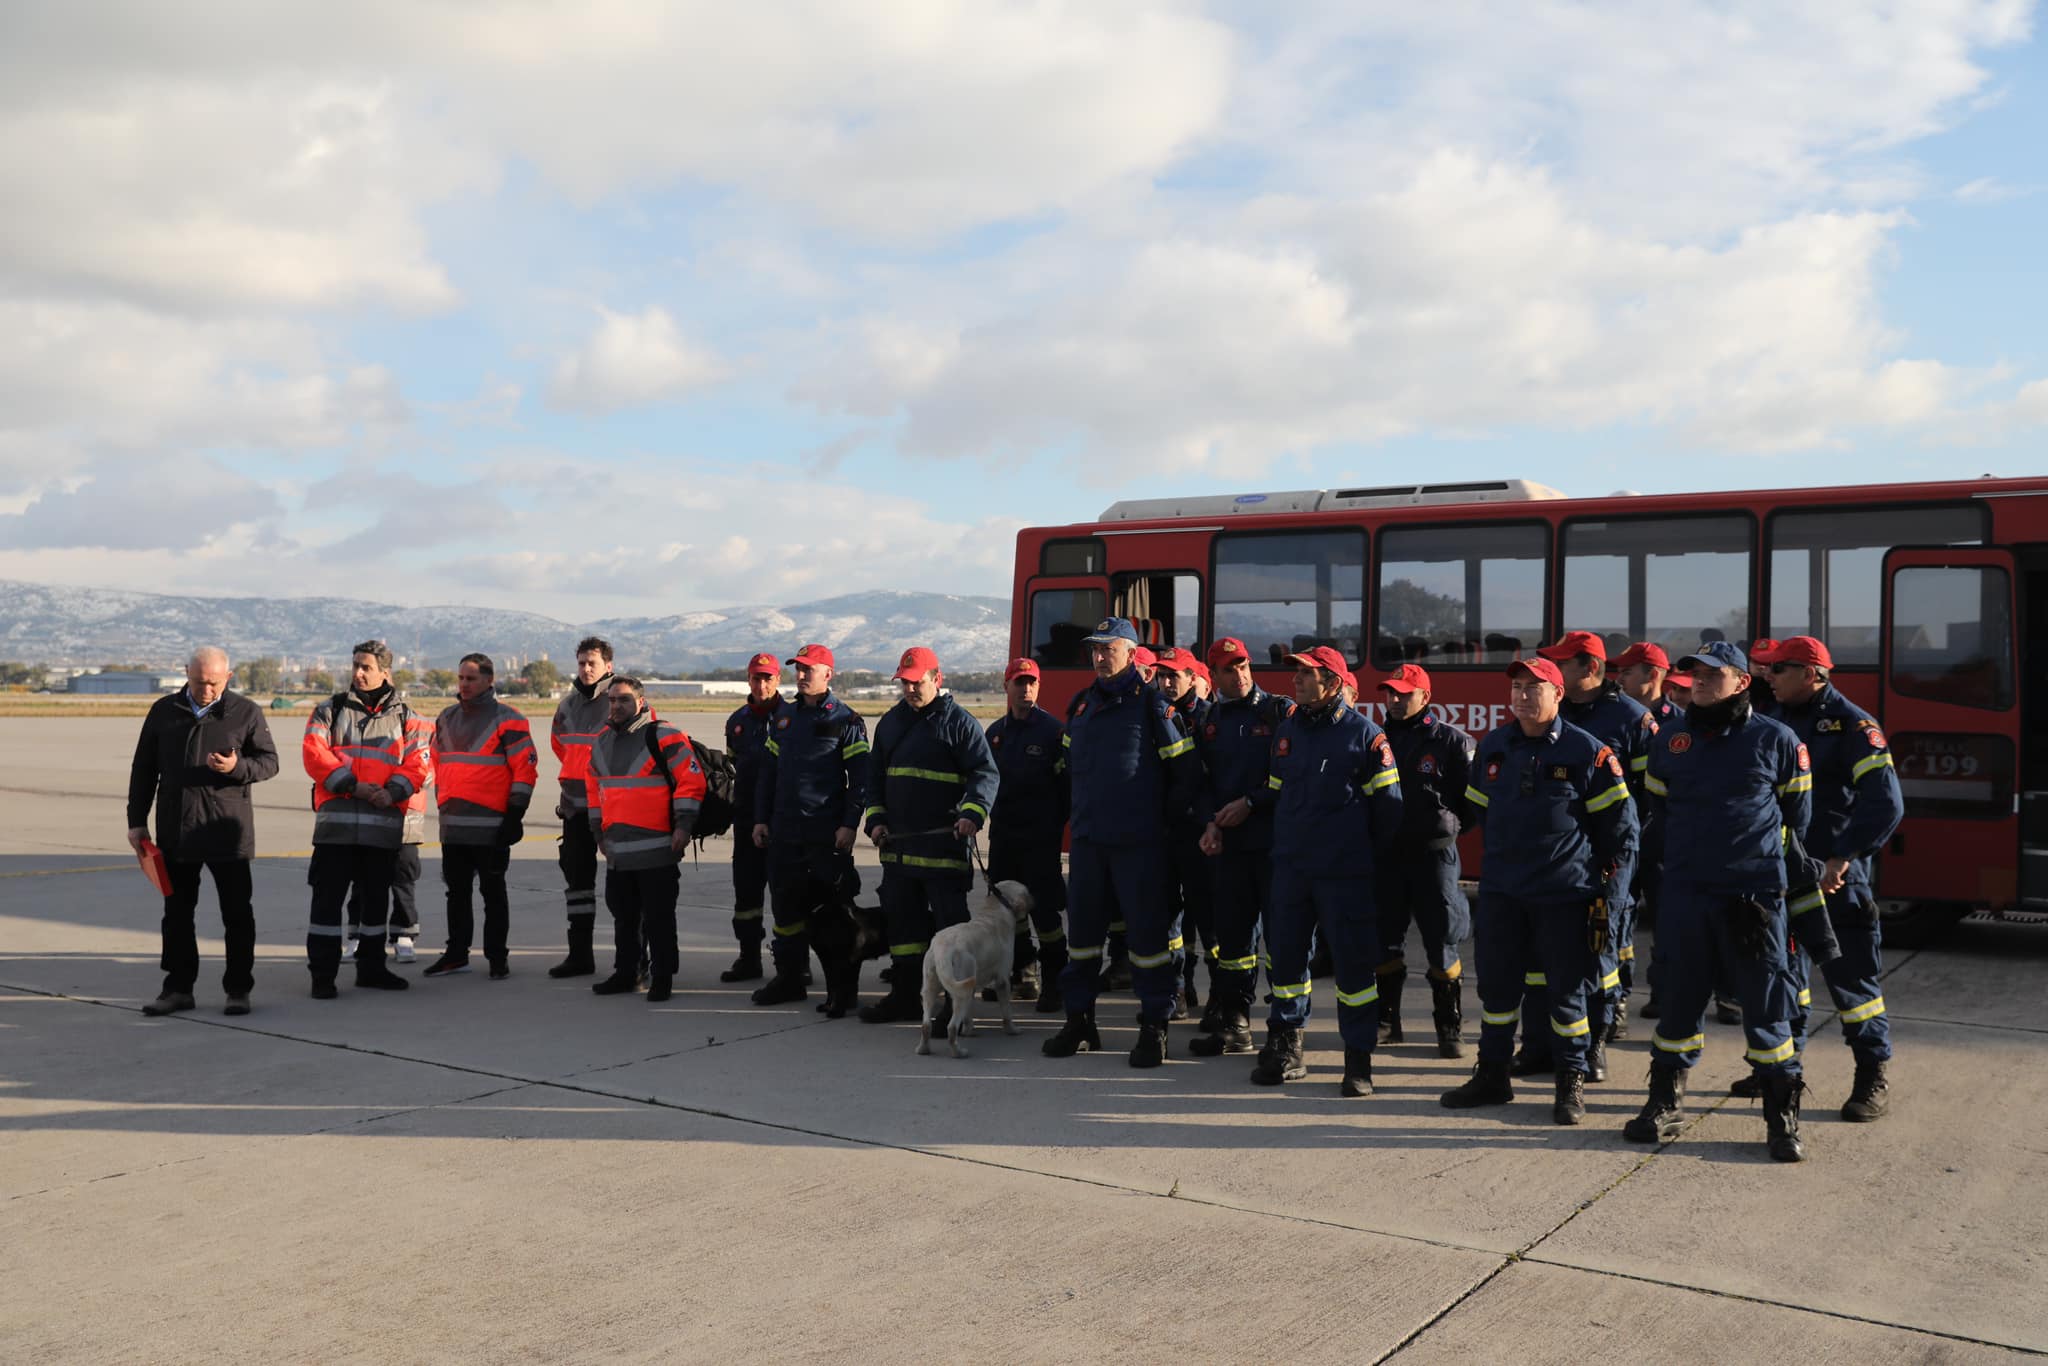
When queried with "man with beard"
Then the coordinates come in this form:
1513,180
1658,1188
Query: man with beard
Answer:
580,719
483,752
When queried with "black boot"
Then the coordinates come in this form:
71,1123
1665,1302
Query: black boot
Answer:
1357,1072
1447,1006
660,986
1617,1024
784,987
1052,961
1390,1004
1488,1085
746,967
1077,1033
579,963
1529,1063
1651,1010
1179,1009
1781,1117
1233,1034
905,1000
1150,1049
372,972
1869,1098
1660,1119
1596,1061
623,981
1727,1010
1570,1105
1280,1060
1748,1087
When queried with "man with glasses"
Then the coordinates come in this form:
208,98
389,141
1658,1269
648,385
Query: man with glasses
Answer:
1736,784
1560,832
1857,805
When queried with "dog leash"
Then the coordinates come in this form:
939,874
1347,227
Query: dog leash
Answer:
973,852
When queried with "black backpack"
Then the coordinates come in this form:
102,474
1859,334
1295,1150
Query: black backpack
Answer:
714,815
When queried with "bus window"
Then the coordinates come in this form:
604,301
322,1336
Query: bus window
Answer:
1284,591
1827,569
1952,636
1165,607
1676,581
1060,559
1470,595
1061,621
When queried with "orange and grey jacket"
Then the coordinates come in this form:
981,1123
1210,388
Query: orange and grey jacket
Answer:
350,750
485,764
579,720
634,806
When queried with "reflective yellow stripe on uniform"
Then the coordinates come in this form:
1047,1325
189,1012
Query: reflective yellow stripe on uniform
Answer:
1764,1057
947,865
773,748
1690,1045
977,808
1289,991
1273,781
1869,1010
1869,765
1081,955
1611,980
930,774
1177,748
1472,794
1572,1029
1158,960
1802,783
754,914
1386,777
917,947
794,927
1535,979
1358,998
1639,764
871,813
1237,964
1601,801
1501,1017
853,749
1812,901
1805,996
1655,785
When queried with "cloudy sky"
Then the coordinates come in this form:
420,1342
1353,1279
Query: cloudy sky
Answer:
612,307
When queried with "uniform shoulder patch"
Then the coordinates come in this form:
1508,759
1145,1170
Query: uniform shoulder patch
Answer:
1209,731
1681,742
1386,751
738,729
1428,765
1805,759
1283,746
1605,759
782,723
1492,769
1649,723
1875,737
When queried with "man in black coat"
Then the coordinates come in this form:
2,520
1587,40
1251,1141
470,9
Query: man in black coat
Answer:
200,750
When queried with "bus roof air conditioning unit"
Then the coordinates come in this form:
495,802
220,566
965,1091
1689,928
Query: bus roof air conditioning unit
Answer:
1214,505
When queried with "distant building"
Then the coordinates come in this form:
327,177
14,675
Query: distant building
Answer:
692,687
130,683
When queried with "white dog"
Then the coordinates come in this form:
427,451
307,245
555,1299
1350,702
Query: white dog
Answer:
963,957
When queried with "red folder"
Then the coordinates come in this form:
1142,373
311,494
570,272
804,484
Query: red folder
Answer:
152,860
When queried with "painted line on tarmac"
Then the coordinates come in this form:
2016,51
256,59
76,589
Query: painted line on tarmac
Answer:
66,872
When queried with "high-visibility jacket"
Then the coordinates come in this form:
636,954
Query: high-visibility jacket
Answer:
579,720
634,808
348,751
484,758
929,767
415,829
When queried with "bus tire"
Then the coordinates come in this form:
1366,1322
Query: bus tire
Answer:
1918,924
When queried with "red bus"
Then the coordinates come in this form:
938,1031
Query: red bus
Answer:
1932,598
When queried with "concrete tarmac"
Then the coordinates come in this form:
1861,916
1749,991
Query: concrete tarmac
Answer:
517,1170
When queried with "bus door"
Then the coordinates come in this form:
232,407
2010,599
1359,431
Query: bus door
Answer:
1950,709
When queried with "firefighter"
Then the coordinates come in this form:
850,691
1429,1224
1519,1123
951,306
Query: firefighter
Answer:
1735,783
1337,806
1641,670
1417,880
365,758
1130,768
1857,805
931,782
746,739
1028,823
1188,875
1560,832
808,798
1235,746
580,718
483,752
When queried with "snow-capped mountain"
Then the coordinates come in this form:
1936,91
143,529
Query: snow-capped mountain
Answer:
44,624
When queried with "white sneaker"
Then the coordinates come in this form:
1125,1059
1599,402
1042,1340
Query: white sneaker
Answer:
403,952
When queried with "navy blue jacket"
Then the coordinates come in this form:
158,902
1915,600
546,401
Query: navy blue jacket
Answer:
1032,798
814,772
1436,768
746,740
1191,714
1559,822
1339,792
1857,803
1235,745
1621,723
1128,763
929,767
1729,795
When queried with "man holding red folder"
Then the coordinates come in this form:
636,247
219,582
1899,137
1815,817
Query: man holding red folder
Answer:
200,751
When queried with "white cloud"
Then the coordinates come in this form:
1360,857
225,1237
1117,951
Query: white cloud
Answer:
632,359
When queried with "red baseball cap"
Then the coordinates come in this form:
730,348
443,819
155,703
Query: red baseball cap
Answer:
1802,650
1408,678
1322,657
1021,667
1764,651
1678,680
1144,658
1201,671
1350,680
1228,651
1177,659
916,663
1643,652
814,654
1574,644
1540,667
764,664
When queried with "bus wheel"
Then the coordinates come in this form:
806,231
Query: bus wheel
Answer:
1918,924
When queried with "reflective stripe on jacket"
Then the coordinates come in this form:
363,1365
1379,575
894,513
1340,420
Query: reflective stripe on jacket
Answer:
349,750
1857,804
1338,792
929,767
579,720
814,772
1031,793
1730,795
1128,762
634,810
1557,814
484,758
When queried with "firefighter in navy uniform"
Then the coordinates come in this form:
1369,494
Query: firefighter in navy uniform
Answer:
1417,880
746,739
1560,831
810,791
1596,704
1739,785
1129,767
1857,805
1188,878
1026,828
1235,746
931,781
1338,805
1641,670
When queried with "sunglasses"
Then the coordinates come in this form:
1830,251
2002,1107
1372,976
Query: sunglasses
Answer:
1786,668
